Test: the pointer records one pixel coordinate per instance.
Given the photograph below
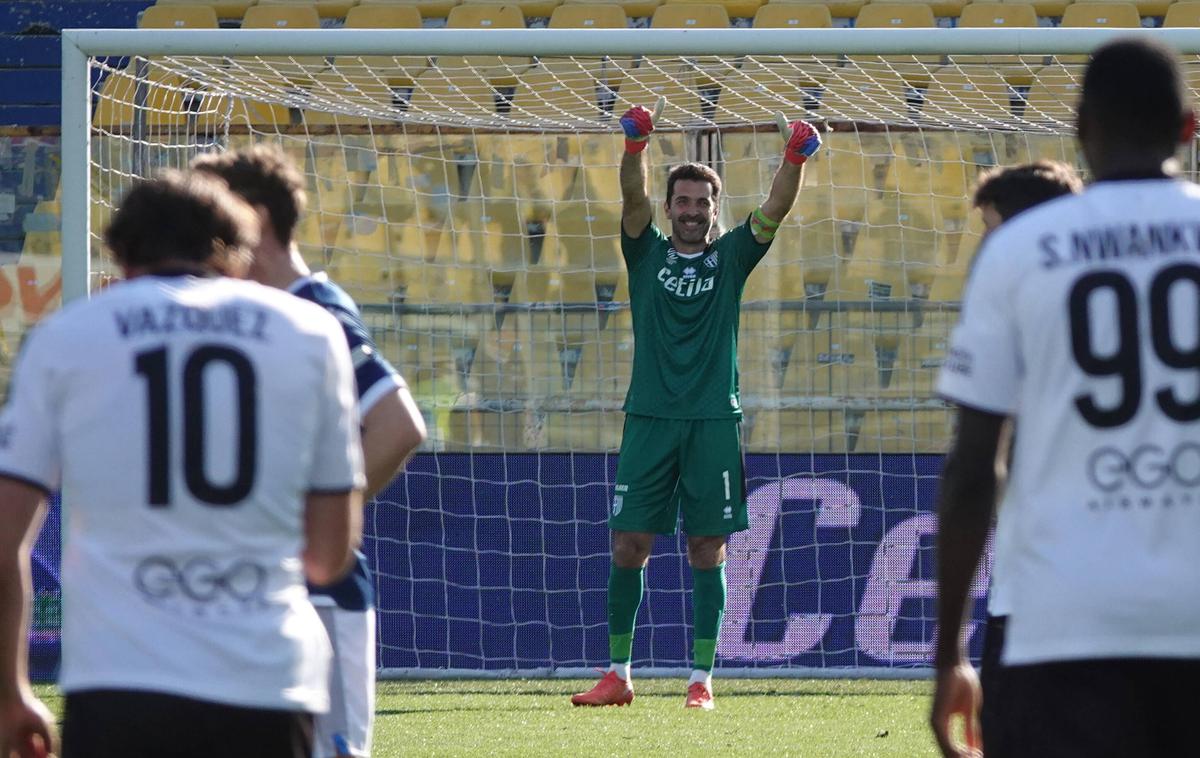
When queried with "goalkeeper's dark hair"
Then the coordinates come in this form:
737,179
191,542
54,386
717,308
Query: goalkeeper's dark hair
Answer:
176,217
696,172
1012,189
1134,94
263,175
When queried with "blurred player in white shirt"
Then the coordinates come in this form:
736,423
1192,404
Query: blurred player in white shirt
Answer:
392,428
1081,321
1001,194
204,436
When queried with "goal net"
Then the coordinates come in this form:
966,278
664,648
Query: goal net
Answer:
463,188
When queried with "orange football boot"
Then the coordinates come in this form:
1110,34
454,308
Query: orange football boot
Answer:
698,696
610,690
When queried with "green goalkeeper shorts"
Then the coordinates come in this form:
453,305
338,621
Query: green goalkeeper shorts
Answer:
672,465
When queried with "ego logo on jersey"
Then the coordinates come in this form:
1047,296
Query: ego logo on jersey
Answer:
1146,467
200,581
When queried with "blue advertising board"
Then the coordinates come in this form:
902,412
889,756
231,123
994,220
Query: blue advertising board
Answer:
500,561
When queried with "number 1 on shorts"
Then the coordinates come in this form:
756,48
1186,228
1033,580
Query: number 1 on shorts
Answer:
725,477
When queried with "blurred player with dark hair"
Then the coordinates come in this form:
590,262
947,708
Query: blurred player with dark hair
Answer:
1080,323
392,428
1002,193
204,435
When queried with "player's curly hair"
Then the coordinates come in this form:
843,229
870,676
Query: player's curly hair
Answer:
1012,189
263,175
179,217
696,172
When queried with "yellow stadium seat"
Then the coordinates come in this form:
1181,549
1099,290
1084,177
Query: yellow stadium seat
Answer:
290,70
356,87
561,90
897,257
873,93
178,17
978,98
427,8
587,235
1086,13
945,8
484,430
792,15
897,431
837,8
1000,15
632,8
915,69
690,16
1182,13
759,88
883,14
604,367
384,17
485,16
499,70
166,99
1054,95
316,235
223,8
1049,7
286,16
735,8
588,16
530,8
490,233
325,8
643,86
580,430
1145,7
453,95
400,70
361,262
987,15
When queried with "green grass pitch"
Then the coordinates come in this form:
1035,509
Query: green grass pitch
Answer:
766,717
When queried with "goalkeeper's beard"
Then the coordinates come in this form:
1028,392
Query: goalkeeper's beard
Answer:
688,234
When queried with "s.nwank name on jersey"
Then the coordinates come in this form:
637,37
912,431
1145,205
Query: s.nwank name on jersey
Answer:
1107,243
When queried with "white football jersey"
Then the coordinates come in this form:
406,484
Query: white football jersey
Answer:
1082,320
185,420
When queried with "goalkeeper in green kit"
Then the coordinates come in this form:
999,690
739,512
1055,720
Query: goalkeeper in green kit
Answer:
681,448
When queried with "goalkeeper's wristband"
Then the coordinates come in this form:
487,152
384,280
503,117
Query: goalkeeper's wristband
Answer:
761,226
636,145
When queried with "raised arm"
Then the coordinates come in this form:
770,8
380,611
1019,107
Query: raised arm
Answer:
635,202
802,143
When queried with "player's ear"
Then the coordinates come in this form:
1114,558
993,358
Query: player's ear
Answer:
1189,126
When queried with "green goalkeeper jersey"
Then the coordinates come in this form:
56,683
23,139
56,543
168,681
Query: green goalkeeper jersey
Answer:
685,323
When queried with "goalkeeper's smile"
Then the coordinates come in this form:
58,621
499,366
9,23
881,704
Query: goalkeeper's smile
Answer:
691,229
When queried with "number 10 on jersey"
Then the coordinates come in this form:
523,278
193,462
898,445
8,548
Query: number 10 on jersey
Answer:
154,367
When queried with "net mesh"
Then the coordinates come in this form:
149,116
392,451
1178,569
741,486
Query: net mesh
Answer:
471,206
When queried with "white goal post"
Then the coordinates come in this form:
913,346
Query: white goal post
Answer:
78,45
479,233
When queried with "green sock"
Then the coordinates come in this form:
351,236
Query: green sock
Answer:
625,587
708,606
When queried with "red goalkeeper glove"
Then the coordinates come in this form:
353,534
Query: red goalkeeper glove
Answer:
802,144
637,124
